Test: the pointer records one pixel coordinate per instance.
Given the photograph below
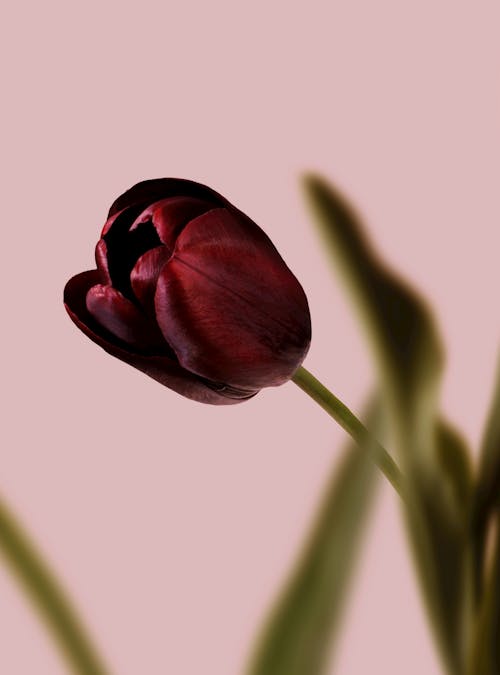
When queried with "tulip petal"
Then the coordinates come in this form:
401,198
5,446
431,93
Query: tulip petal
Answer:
122,318
171,215
124,248
163,369
229,306
110,222
101,258
145,275
148,191
129,232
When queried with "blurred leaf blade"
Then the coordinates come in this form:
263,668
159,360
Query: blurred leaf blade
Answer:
456,464
485,653
487,493
398,322
410,358
302,629
47,597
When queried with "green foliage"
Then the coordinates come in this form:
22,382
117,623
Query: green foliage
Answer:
487,493
435,463
47,597
485,521
300,634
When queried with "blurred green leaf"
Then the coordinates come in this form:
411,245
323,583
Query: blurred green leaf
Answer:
399,324
300,634
410,357
485,652
47,597
487,493
455,460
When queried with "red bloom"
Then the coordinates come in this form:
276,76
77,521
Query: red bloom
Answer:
192,292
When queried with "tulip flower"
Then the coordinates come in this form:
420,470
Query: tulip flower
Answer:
193,293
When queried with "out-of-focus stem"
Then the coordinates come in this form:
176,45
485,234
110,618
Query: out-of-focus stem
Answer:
348,421
47,597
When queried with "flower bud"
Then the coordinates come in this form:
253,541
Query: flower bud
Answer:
190,291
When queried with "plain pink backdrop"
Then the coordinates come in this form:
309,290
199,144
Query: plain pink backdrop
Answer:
173,524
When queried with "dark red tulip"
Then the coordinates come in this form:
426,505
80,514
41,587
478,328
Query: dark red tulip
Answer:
192,292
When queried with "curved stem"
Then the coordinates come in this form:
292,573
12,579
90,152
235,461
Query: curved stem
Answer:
47,597
348,421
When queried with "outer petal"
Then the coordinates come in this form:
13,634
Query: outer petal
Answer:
149,191
229,306
161,368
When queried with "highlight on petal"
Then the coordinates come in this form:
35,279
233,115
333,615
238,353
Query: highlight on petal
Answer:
101,259
171,215
110,222
145,275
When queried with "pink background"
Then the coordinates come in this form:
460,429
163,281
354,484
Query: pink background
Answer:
173,524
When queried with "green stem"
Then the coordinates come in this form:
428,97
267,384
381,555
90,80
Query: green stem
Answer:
47,597
348,421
